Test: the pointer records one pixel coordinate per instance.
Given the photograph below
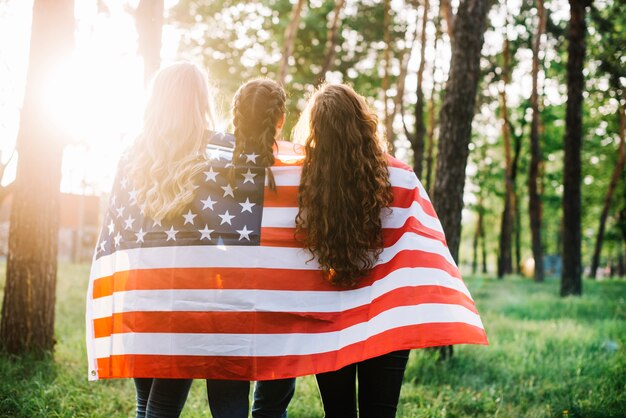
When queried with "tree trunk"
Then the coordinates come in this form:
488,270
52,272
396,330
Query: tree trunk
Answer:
456,117
386,83
27,323
517,148
534,198
505,258
617,171
446,9
289,40
477,234
432,119
331,42
571,281
420,129
483,245
149,22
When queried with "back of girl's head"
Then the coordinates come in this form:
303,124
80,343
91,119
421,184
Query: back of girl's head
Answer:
344,184
168,153
258,106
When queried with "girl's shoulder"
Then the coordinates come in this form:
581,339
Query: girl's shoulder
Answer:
393,162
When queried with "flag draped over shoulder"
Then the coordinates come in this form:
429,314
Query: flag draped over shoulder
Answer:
224,291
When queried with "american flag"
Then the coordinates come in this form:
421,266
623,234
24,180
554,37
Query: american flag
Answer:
225,291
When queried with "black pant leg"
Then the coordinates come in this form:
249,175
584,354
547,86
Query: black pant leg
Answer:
338,392
167,397
380,380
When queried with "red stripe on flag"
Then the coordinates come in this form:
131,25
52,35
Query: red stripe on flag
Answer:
264,368
236,322
251,278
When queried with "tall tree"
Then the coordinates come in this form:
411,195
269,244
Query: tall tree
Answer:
432,119
27,323
571,280
290,39
149,22
617,171
456,116
534,199
386,83
417,142
505,256
331,41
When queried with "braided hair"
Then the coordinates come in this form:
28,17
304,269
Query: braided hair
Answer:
258,106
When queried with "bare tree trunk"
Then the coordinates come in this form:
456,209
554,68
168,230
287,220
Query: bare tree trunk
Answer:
483,245
617,171
27,323
571,280
505,258
149,22
418,143
432,119
290,39
446,8
331,42
534,198
456,117
517,147
386,76
477,234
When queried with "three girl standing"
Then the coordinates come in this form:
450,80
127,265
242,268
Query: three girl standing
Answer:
344,192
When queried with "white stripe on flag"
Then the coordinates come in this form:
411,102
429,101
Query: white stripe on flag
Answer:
280,344
231,256
284,217
246,300
398,177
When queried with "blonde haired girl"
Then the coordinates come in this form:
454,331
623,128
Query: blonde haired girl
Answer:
166,156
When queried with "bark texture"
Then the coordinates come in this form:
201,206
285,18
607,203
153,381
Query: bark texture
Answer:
535,209
27,323
331,41
290,39
571,280
456,117
417,142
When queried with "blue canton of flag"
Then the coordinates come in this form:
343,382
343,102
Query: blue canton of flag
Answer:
221,213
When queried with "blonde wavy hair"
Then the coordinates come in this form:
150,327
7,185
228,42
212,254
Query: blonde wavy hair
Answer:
169,151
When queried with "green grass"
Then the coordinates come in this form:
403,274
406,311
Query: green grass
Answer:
549,357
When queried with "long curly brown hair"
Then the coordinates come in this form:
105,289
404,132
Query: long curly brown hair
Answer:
344,184
258,106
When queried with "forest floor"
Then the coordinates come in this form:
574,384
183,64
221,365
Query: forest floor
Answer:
549,357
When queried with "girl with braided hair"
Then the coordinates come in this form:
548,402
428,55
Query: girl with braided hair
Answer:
258,117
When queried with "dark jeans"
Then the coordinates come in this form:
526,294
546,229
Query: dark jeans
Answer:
161,398
229,398
380,379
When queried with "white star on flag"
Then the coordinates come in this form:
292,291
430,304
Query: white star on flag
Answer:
210,175
157,222
226,217
117,239
120,211
251,157
102,244
171,234
206,233
208,203
228,191
189,217
249,177
111,227
214,155
128,223
244,233
132,196
247,206
124,182
140,235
